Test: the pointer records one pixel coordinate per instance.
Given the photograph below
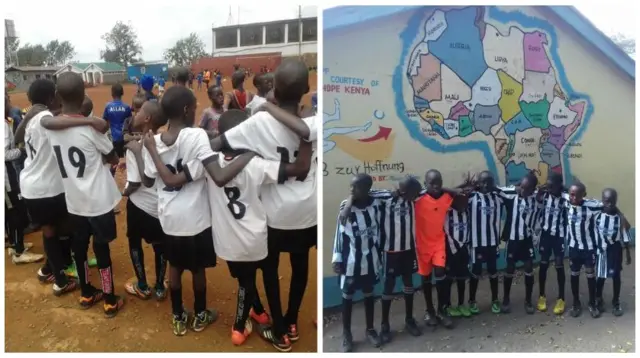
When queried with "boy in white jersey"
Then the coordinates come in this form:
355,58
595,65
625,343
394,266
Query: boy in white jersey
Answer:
189,242
612,233
290,205
263,83
91,192
142,210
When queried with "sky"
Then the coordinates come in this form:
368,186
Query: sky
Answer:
158,28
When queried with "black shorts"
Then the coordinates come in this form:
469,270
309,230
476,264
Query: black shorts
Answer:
550,244
579,258
457,265
520,250
206,83
141,225
484,254
102,227
191,252
292,241
609,263
243,268
15,210
48,211
401,263
350,284
118,147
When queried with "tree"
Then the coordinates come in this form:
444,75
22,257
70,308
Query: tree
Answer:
10,48
59,52
185,51
122,45
32,55
626,44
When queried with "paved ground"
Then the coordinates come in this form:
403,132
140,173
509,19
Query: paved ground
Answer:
37,321
516,332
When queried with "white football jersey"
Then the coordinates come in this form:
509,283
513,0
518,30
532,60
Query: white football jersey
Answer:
239,220
40,177
255,103
90,190
144,198
291,205
183,211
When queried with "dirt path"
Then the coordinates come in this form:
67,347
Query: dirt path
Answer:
37,321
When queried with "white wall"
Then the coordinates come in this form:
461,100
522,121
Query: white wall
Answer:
290,49
74,70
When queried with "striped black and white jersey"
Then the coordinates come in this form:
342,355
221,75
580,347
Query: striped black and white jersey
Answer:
581,226
456,229
609,230
554,215
523,214
485,212
356,244
397,221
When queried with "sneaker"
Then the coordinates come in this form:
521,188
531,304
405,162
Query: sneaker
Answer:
92,262
347,343
262,318
26,258
45,277
617,309
69,287
71,270
600,304
112,310
203,319
464,311
444,319
160,292
179,323
473,307
528,307
133,288
385,333
238,338
559,307
431,319
411,326
495,306
454,311
88,302
576,310
542,304
282,344
373,338
595,312
505,307
292,332
27,246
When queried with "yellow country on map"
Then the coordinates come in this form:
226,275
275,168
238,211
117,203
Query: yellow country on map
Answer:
435,116
511,92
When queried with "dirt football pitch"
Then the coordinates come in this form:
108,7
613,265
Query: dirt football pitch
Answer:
37,321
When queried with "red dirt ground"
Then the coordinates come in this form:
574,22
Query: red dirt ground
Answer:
37,321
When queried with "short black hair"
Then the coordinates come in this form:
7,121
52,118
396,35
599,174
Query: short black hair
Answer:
237,78
555,178
410,182
364,179
70,88
579,184
531,177
87,106
291,81
257,79
174,101
41,91
230,119
117,90
182,74
154,110
138,100
211,89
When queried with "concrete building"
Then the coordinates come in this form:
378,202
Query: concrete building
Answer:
77,67
21,77
466,89
104,73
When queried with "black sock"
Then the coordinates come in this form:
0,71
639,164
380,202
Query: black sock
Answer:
575,288
137,259
245,297
617,285
161,265
461,287
542,278
591,285
347,304
65,248
199,291
386,308
55,259
473,288
427,290
408,303
176,301
528,286
493,282
507,282
368,311
561,281
441,291
599,287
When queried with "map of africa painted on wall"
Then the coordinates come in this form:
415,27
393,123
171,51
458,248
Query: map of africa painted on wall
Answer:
469,78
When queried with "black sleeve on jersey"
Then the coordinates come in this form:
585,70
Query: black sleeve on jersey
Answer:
225,142
186,172
282,173
208,160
